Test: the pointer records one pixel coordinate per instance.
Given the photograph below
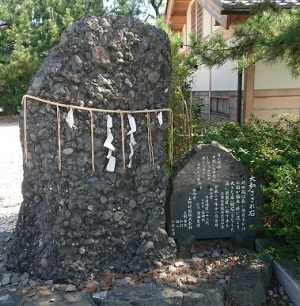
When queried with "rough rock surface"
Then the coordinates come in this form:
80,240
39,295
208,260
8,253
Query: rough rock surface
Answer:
245,286
159,294
250,280
211,272
75,223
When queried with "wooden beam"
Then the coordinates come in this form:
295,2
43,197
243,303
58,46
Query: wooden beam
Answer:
176,27
249,92
169,10
178,19
176,13
234,19
215,11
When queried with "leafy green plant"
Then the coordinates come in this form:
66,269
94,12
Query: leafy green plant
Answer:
272,152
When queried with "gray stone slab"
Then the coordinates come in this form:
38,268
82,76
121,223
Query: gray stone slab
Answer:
81,298
151,294
213,196
250,280
289,278
8,298
205,295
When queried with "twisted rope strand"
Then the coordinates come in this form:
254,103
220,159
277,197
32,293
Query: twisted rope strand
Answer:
58,138
171,131
150,145
123,140
24,103
91,110
92,142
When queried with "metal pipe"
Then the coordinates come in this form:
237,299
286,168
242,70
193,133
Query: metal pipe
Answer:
209,96
239,97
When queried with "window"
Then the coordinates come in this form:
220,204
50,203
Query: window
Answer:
220,105
196,19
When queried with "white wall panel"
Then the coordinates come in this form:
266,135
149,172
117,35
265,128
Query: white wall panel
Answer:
201,80
274,76
222,78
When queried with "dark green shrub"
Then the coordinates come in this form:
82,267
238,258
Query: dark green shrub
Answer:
271,151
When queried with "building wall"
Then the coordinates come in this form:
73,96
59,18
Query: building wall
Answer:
209,26
205,100
270,103
274,77
269,90
219,79
274,92
217,82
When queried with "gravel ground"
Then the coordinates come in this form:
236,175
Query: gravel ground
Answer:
11,173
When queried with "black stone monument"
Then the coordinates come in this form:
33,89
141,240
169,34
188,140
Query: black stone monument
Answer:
213,196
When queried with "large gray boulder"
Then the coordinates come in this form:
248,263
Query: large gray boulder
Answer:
156,294
152,294
83,215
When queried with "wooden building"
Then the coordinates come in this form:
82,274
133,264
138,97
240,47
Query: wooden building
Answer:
262,90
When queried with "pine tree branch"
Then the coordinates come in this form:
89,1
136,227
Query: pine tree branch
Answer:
155,6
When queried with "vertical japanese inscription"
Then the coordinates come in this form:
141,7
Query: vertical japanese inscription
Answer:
214,204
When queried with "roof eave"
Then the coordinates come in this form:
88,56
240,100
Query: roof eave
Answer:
233,11
214,8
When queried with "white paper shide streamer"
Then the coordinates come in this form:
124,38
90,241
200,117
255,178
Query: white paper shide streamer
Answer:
132,141
108,144
160,118
70,118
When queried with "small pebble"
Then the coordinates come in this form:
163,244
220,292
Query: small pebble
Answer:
6,279
100,295
70,288
162,275
215,253
48,282
172,269
191,280
179,264
222,282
